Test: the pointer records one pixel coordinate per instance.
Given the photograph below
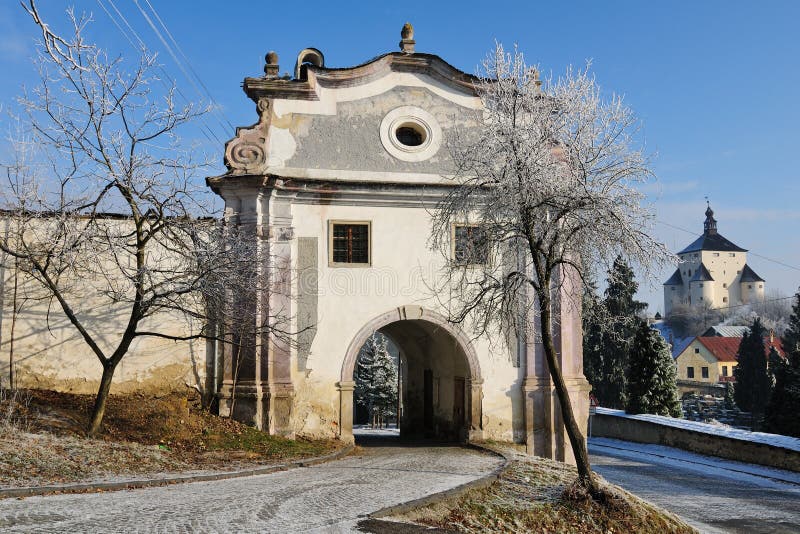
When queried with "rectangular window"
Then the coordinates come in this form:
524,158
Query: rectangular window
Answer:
760,286
704,371
724,299
470,246
724,285
724,370
749,286
716,254
732,254
690,372
697,351
349,243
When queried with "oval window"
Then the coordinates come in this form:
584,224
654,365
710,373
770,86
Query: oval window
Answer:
410,135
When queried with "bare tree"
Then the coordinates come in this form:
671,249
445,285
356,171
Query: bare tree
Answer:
109,209
548,180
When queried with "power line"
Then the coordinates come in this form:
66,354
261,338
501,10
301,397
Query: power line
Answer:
217,107
750,252
207,131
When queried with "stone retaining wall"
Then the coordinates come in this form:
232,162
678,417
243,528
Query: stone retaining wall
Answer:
629,429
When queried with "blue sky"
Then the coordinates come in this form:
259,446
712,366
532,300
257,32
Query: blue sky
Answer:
714,82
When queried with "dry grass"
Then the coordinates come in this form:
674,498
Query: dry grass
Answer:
538,495
42,439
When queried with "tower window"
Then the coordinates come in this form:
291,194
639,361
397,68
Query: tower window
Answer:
724,285
724,299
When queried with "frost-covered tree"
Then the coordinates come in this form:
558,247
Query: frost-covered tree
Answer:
376,380
652,375
753,383
784,405
550,179
102,202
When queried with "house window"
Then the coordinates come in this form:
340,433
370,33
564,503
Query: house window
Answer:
690,372
469,245
724,370
704,371
697,351
349,243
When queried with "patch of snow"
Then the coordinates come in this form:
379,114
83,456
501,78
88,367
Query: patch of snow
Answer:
775,440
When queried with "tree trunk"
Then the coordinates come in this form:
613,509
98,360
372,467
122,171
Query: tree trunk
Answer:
99,409
576,438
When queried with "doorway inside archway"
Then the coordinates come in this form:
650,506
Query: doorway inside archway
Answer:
433,395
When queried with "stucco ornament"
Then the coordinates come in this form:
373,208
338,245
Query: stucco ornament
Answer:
422,123
247,152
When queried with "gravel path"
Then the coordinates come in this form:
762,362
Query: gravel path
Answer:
712,494
327,498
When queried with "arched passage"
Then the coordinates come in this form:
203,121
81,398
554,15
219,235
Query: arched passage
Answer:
441,385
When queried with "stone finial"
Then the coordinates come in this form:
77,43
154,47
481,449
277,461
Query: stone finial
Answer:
407,41
271,67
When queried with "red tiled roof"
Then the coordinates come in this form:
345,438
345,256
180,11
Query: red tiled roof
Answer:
724,349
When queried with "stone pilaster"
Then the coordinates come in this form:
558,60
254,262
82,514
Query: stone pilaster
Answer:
257,384
346,410
544,428
475,404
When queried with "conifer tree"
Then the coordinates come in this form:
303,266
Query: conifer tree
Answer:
616,326
376,380
784,406
729,401
652,376
753,383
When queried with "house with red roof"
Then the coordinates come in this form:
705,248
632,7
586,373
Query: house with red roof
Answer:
710,360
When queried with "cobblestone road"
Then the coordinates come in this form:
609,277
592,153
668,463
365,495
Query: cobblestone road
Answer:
327,498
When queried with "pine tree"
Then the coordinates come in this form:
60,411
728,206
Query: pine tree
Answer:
617,327
652,376
753,383
376,380
784,406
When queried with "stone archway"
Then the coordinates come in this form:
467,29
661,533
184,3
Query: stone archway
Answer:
450,354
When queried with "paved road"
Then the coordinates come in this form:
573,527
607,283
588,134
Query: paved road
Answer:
327,498
712,494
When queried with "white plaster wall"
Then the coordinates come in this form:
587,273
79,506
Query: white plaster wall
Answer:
403,270
49,353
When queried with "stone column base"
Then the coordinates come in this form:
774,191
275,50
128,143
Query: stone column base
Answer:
268,408
545,434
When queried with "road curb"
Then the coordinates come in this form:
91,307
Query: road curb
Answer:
434,498
90,487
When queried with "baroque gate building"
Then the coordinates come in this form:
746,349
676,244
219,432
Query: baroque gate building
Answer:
336,181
